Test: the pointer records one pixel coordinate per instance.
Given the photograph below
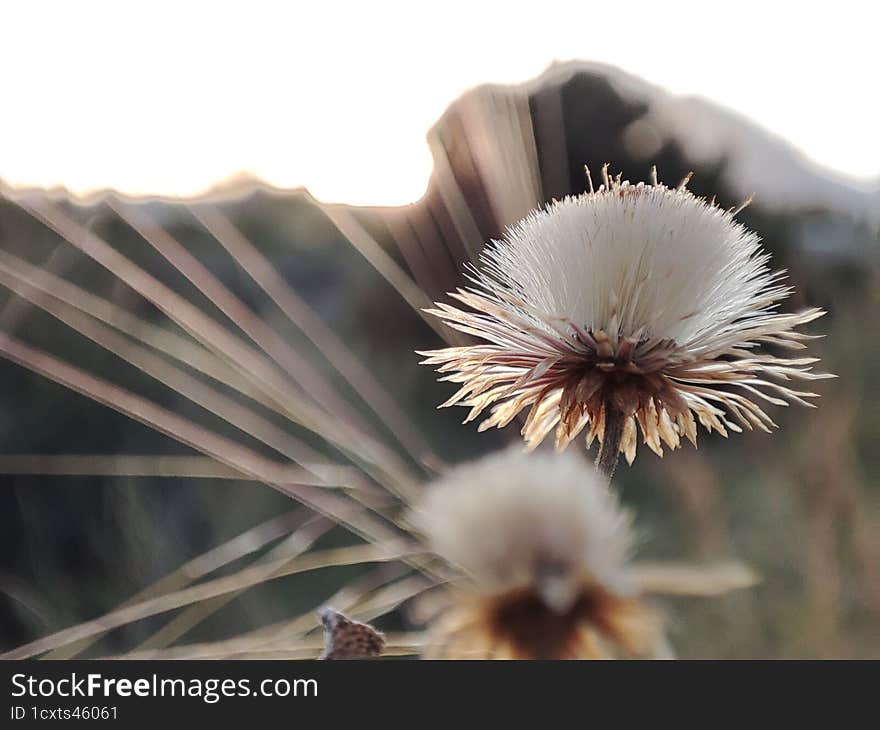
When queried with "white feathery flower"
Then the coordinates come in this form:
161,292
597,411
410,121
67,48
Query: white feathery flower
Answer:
632,305
544,546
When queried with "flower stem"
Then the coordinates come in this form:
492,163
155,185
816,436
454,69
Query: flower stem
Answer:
609,449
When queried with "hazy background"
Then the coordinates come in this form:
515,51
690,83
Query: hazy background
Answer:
802,505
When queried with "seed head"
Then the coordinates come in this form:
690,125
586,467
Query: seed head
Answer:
543,547
641,299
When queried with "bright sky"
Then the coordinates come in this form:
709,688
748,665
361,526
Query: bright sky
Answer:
170,98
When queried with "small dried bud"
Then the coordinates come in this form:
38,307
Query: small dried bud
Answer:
345,638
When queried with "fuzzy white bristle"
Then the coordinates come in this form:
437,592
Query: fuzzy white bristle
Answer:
642,260
512,519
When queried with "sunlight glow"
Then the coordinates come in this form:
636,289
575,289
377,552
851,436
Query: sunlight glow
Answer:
171,99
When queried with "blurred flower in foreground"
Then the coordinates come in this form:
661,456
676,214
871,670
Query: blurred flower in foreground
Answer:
632,304
547,570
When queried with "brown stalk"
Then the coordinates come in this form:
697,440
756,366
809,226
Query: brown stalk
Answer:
218,447
250,363
297,310
609,449
294,545
229,584
312,383
193,570
265,639
386,266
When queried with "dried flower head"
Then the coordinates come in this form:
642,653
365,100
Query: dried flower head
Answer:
345,638
629,305
546,570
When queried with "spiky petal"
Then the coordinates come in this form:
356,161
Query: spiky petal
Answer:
639,298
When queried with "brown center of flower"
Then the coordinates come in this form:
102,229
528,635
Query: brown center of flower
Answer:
597,623
621,377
